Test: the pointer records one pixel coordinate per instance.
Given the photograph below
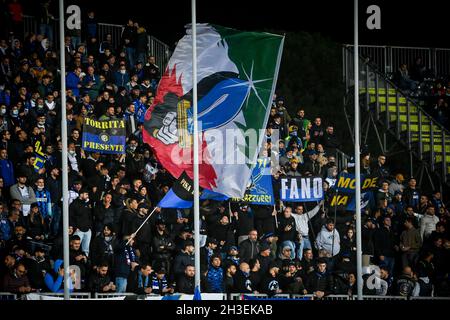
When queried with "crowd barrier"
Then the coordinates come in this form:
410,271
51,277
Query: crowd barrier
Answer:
5,296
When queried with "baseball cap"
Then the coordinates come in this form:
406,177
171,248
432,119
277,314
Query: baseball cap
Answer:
400,177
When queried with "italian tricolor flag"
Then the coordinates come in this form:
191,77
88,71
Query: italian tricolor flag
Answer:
236,78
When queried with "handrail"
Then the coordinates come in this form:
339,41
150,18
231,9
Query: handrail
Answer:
383,76
395,47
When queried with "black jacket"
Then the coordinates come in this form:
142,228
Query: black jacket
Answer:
96,283
264,262
182,260
102,250
270,284
384,242
319,282
331,143
367,241
80,213
162,246
186,285
290,235
55,188
248,250
243,283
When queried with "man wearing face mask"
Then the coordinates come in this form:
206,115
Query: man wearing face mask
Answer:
43,199
14,119
121,76
3,120
80,218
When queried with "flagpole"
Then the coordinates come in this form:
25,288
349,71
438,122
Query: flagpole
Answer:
142,224
65,174
196,147
357,158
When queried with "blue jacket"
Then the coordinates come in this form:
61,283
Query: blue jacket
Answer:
140,110
7,172
5,229
72,81
121,79
44,202
55,285
214,280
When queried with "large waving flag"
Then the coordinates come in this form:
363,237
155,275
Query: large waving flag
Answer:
181,195
237,74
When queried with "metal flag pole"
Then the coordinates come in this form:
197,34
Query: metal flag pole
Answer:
195,133
357,158
65,174
142,224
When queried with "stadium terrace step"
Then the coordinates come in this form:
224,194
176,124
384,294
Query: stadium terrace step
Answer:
381,91
391,100
424,127
402,109
437,148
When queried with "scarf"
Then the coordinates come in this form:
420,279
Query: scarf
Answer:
130,255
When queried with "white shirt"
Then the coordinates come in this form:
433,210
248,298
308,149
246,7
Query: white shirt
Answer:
73,162
301,220
25,207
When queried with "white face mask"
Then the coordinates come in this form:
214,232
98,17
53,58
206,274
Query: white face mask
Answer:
41,123
123,71
2,111
72,153
15,112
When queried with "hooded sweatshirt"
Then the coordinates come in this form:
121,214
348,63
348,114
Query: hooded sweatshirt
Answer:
55,285
324,240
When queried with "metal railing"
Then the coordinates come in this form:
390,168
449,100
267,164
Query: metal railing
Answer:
371,78
342,159
232,297
365,297
387,59
115,30
6,296
161,52
98,295
156,47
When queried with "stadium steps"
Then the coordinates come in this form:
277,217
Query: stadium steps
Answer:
426,130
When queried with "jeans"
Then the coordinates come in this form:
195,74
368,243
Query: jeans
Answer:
302,245
76,41
56,219
388,262
85,240
47,30
121,285
130,56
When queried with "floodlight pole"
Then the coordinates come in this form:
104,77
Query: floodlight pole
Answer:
196,147
65,174
357,159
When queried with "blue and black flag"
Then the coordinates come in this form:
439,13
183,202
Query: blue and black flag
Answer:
181,195
107,136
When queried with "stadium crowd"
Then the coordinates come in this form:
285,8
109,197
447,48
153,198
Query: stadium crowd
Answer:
290,248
